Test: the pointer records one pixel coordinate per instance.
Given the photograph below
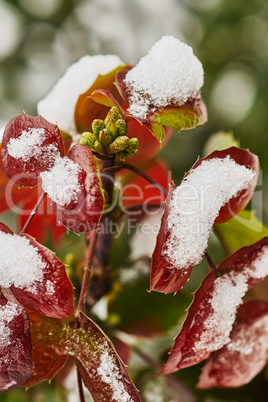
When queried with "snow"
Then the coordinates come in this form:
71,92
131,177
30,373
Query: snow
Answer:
29,145
259,268
195,205
227,295
7,314
248,337
20,262
59,105
169,74
110,374
61,182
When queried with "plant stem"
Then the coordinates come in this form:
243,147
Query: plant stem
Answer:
29,220
211,265
141,173
80,386
86,278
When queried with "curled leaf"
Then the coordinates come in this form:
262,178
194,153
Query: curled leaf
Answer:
238,362
15,345
29,147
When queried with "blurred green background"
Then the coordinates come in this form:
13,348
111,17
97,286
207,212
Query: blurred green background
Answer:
39,39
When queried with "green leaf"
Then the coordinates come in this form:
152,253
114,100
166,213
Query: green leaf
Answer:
221,140
190,115
242,230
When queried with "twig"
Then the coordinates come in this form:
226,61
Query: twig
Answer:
141,173
87,272
211,265
29,220
80,386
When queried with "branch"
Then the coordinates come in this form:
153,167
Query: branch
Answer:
141,173
80,386
87,272
29,220
211,265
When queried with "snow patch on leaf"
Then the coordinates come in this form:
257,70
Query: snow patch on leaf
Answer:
20,262
29,145
61,182
196,203
7,313
169,74
59,105
110,374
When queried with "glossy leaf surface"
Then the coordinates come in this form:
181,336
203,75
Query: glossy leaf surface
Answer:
87,109
84,214
245,356
15,345
50,340
101,369
26,171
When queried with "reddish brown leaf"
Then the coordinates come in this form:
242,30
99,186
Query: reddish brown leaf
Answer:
25,170
50,340
183,354
101,369
53,295
83,215
237,363
242,157
210,318
15,345
164,277
87,109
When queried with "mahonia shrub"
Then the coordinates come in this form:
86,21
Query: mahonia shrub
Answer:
69,169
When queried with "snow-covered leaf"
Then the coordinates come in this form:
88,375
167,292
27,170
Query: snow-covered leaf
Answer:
34,274
29,147
238,362
211,316
101,369
15,345
75,189
217,186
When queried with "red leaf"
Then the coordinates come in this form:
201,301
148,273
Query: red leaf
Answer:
237,363
53,294
84,214
165,277
183,354
15,345
210,318
50,347
241,157
101,369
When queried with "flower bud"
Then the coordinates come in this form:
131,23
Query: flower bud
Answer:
87,139
119,144
98,147
110,125
106,137
133,146
97,126
121,126
114,114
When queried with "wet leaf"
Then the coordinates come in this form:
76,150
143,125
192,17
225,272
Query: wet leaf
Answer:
51,346
30,158
84,214
15,345
101,369
237,363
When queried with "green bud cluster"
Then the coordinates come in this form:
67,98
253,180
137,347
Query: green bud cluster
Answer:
109,136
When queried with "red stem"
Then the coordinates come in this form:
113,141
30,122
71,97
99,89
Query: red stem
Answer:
86,278
32,214
80,386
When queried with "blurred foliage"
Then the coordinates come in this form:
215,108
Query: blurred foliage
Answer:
40,39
